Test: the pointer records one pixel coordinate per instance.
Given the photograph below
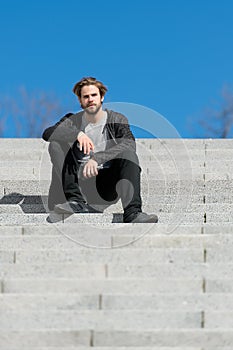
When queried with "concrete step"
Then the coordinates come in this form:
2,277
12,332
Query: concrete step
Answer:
26,302
192,302
45,338
173,156
172,151
165,337
135,240
151,188
120,256
175,200
112,348
106,284
156,302
53,270
101,271
152,339
112,284
158,229
155,142
221,197
149,205
192,159
148,174
200,271
193,162
100,320
35,219
156,187
108,229
172,241
164,218
164,172
162,143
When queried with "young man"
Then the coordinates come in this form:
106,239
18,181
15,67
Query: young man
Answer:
94,159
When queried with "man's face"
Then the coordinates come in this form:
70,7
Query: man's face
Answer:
90,99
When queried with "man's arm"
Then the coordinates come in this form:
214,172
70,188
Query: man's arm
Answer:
90,169
65,130
85,143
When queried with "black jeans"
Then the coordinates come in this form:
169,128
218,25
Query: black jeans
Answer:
121,180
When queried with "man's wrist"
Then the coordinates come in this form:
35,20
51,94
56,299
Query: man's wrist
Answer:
80,134
93,157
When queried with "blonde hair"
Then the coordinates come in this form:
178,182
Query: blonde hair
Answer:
89,81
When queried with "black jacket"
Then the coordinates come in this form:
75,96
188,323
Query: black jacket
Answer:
120,137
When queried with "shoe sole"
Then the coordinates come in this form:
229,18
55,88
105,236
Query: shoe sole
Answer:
152,220
60,210
149,221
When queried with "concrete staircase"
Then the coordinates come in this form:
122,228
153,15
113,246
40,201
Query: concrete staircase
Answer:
90,281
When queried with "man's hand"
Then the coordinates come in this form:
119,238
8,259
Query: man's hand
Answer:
85,143
90,169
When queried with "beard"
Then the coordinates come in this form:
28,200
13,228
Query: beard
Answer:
92,111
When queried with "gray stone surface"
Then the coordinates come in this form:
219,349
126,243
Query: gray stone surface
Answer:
114,348
119,256
38,338
99,320
211,338
10,230
217,319
84,281
24,154
6,256
171,241
219,229
164,218
59,302
218,143
220,284
106,229
112,284
148,240
159,271
219,154
169,302
57,270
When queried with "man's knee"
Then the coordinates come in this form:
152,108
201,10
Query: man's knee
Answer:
58,154
128,157
54,148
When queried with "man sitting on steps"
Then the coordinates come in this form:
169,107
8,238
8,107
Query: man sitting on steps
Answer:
94,159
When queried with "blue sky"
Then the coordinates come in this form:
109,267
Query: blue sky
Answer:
171,56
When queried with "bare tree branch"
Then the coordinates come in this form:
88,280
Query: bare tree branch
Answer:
218,122
29,113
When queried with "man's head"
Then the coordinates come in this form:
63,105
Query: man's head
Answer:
90,93
77,89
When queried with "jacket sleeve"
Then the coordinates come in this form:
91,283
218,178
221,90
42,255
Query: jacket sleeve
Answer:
64,130
121,139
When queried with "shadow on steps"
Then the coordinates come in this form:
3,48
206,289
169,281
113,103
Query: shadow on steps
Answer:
38,205
29,204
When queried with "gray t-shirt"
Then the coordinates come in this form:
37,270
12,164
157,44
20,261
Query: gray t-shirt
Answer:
96,132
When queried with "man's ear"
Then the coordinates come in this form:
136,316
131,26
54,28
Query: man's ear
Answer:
102,99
